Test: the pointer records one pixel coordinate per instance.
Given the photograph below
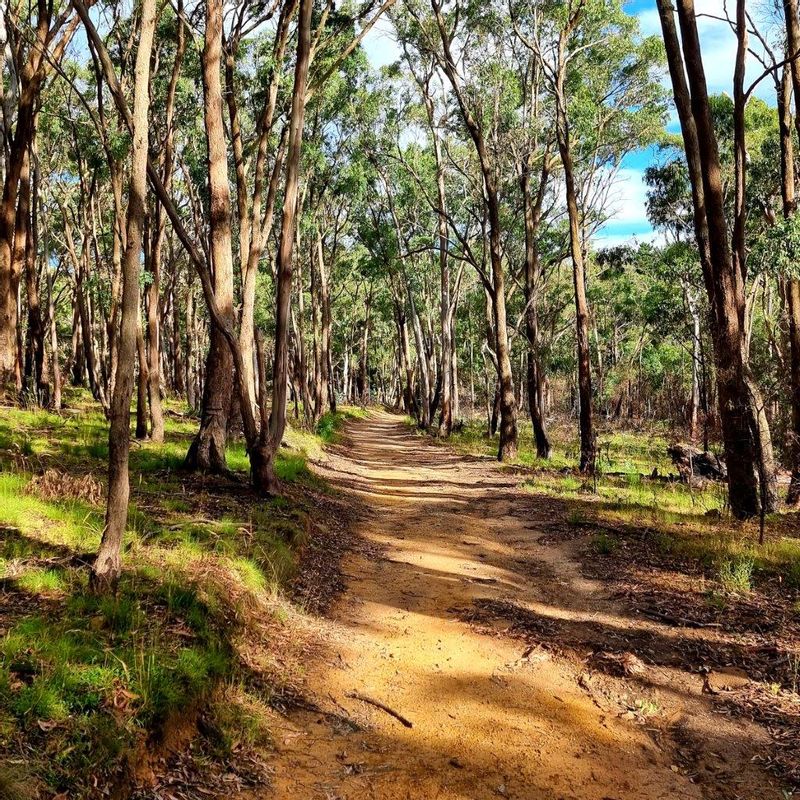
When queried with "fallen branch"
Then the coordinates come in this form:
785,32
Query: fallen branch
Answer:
689,623
382,706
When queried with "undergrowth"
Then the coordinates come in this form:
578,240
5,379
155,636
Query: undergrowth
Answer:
84,680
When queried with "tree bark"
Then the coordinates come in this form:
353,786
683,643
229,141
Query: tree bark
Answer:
723,288
55,371
35,385
107,567
207,452
789,87
535,372
768,479
507,448
142,383
280,368
588,444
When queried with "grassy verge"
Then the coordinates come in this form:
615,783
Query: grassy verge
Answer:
618,450
329,427
87,684
688,522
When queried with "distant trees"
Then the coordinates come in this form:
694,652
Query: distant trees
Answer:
312,231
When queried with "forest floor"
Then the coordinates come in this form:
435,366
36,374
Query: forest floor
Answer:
533,647
164,691
410,619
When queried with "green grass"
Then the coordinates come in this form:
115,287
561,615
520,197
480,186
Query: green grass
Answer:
687,522
330,424
618,451
604,544
83,678
736,574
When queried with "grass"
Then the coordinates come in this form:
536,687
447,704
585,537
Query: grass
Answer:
330,424
688,522
618,451
604,544
736,574
83,680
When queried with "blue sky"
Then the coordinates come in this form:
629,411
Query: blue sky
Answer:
628,219
719,49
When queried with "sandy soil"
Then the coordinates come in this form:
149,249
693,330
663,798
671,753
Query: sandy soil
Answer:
492,715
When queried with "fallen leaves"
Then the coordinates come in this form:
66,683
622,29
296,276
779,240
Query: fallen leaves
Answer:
53,484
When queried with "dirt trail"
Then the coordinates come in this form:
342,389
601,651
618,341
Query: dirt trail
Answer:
490,719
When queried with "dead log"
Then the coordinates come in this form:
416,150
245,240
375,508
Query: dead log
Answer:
694,463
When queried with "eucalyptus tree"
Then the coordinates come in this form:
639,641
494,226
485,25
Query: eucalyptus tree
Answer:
723,284
107,566
602,78
468,48
422,67
790,86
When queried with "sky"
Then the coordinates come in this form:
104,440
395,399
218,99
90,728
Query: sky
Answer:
628,218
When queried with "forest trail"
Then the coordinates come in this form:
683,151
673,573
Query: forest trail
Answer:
492,716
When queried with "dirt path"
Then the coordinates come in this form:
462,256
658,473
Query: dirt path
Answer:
492,717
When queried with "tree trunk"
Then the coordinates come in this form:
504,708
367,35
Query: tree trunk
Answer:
55,371
154,331
362,379
588,445
326,332
759,423
424,375
445,304
34,351
142,382
694,400
535,373
508,411
207,452
723,288
280,367
108,565
178,366
192,394
789,208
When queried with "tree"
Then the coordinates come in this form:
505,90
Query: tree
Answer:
107,566
724,289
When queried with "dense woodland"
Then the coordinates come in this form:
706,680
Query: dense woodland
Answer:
229,206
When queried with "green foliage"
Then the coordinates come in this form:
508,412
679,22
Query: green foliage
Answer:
777,250
735,574
604,544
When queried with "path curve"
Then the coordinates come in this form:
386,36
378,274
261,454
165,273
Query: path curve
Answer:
489,718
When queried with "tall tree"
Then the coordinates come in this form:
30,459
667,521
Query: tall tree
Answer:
722,285
108,564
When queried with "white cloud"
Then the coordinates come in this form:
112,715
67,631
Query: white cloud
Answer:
718,43
628,198
627,211
602,241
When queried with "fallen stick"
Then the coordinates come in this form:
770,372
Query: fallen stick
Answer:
382,706
687,623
